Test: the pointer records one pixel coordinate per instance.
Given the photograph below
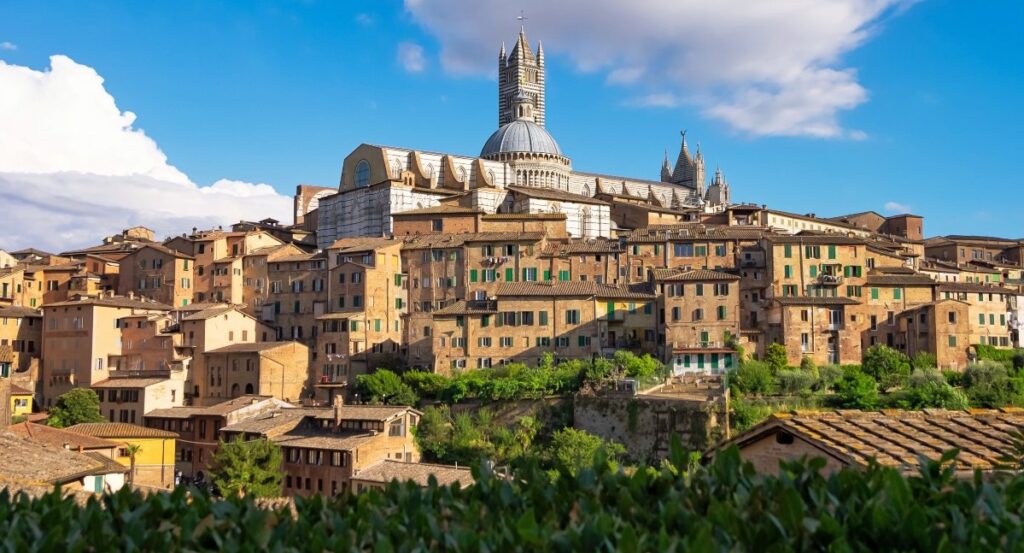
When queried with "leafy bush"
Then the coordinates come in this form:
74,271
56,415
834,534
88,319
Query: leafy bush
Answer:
999,355
989,384
887,366
746,414
75,407
384,386
923,360
929,389
426,383
776,357
726,506
856,390
251,468
807,364
828,376
572,450
753,377
795,381
954,378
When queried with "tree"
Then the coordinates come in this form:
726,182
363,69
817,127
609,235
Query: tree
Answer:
929,389
923,360
133,450
752,377
887,366
776,357
75,407
574,449
384,386
988,384
856,390
247,468
635,366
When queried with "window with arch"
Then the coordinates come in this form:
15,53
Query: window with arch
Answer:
362,174
586,189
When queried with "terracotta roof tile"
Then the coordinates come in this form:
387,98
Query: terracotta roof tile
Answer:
418,473
119,430
692,275
553,194
810,300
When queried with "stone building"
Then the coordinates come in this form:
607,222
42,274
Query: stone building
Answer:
276,369
157,272
699,310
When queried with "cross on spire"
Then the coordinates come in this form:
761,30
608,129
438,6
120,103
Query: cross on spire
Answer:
522,21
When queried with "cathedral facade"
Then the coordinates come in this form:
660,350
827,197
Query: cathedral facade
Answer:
520,169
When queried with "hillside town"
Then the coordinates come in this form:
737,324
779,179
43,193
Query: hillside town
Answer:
446,264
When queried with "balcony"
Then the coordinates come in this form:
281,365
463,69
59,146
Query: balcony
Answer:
830,280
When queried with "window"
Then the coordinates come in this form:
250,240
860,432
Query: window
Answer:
874,293
437,225
562,341
362,174
897,293
484,342
563,275
683,250
676,313
787,251
701,251
698,314
583,341
951,317
805,341
721,312
572,316
543,341
805,315
699,289
720,250
530,274
787,271
952,341
543,315
505,341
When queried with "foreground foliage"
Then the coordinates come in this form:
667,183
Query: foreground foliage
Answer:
725,507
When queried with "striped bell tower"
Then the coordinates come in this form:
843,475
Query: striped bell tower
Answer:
520,72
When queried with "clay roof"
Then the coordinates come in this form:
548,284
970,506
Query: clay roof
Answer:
463,307
424,241
163,249
251,347
222,408
336,442
119,430
973,287
19,391
275,422
815,239
418,473
553,194
530,216
128,382
378,413
587,246
898,438
116,301
694,231
900,280
58,437
810,300
574,288
692,275
210,312
6,353
361,244
347,313
439,210
27,461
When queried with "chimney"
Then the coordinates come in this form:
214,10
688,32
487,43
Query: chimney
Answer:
131,295
339,402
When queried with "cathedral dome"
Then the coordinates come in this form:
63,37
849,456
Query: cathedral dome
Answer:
520,136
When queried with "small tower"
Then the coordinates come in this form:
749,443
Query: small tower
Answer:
718,192
666,170
521,71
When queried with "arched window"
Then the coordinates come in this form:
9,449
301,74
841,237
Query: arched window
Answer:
586,189
234,390
248,388
362,174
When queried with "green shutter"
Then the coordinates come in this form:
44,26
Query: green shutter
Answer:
788,271
547,275
543,318
814,271
610,308
897,293
472,275
485,320
847,270
524,275
874,293
831,252
981,318
563,275
787,250
376,325
699,289
499,319
581,340
510,274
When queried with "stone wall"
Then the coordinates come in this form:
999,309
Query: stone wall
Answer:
645,424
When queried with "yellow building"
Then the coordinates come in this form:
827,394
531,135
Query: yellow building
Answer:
154,460
21,401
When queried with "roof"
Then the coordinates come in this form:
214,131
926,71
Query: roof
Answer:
822,239
106,464
692,275
418,473
520,136
210,312
119,430
29,461
377,413
163,249
361,244
129,382
251,347
900,280
574,288
974,287
19,391
337,442
812,300
346,313
439,210
898,438
222,408
16,312
58,437
424,241
517,216
463,307
554,194
6,353
116,301
280,420
595,245
694,231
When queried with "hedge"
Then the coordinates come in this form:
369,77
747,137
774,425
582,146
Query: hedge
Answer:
724,507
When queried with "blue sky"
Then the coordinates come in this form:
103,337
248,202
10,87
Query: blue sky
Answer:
280,92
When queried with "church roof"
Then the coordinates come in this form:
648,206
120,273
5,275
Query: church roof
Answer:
520,136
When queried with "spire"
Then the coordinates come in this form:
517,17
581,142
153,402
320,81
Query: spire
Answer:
666,169
540,53
501,54
683,172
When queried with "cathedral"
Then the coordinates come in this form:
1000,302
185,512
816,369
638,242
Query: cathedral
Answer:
521,169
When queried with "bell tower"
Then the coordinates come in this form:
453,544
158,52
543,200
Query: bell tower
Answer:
520,73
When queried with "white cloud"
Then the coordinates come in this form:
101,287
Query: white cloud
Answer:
410,55
764,68
896,207
74,169
364,19
8,45
655,100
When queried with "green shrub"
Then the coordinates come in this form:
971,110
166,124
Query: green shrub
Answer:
384,386
726,506
828,375
75,407
795,381
856,390
426,383
776,357
989,384
890,368
746,414
753,377
923,360
929,389
1003,356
